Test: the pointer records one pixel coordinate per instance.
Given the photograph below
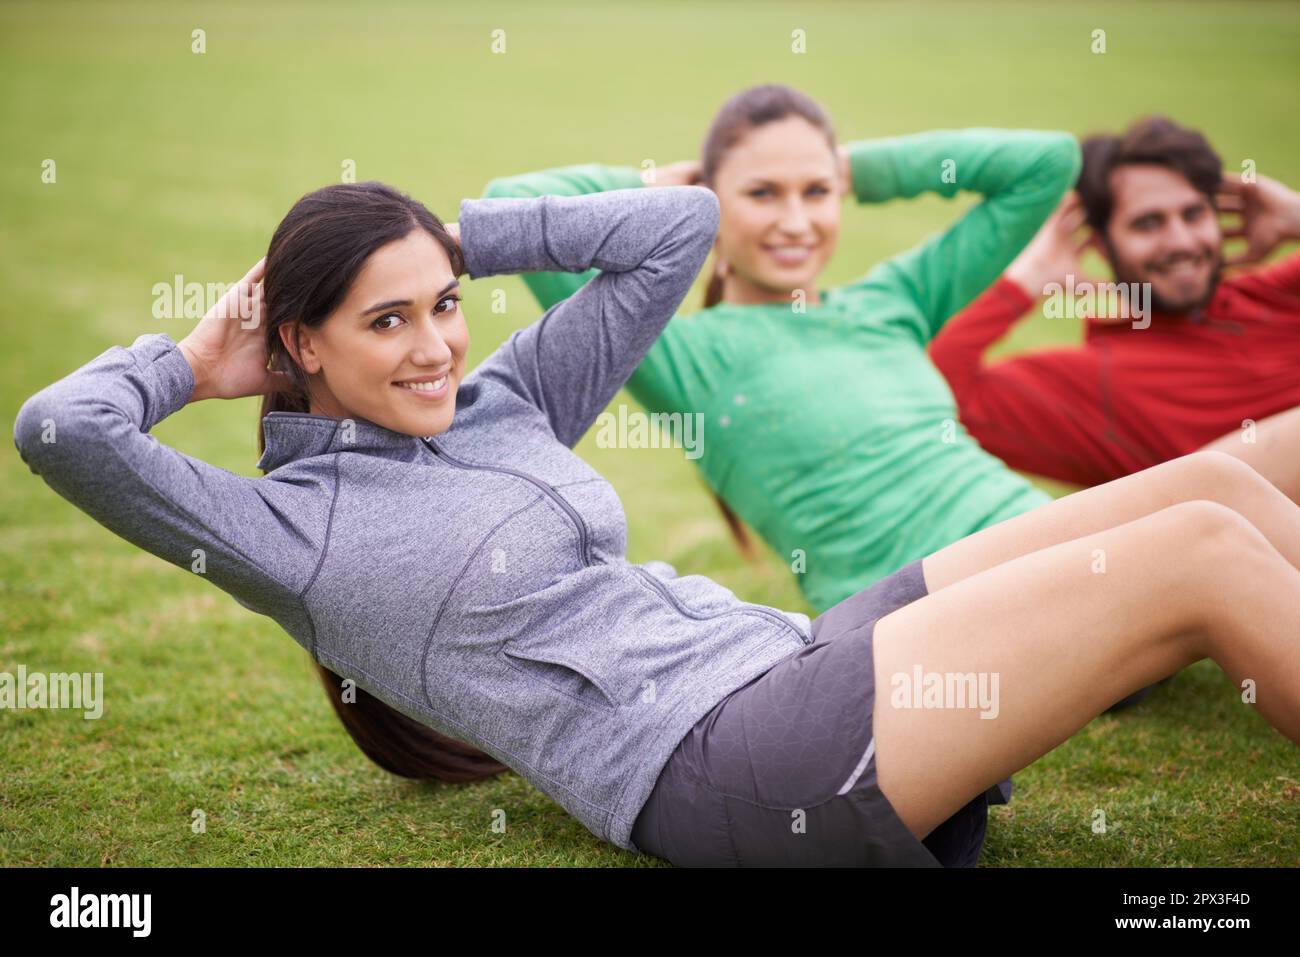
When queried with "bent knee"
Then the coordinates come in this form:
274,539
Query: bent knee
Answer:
1220,473
1207,527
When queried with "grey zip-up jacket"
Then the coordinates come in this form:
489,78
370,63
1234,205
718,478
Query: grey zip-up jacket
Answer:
474,580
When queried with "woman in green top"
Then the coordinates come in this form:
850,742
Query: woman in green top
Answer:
825,425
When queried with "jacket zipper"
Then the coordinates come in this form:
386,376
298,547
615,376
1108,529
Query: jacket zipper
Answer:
582,538
548,489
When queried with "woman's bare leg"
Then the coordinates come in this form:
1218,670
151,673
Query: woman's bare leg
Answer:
1208,476
1271,447
1067,636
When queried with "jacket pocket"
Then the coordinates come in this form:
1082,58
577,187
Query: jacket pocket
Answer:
561,672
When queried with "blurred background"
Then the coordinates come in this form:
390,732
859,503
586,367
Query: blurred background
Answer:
170,161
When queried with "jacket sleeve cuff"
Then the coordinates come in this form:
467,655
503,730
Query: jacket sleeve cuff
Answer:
165,373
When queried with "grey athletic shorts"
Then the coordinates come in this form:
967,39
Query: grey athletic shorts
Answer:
781,771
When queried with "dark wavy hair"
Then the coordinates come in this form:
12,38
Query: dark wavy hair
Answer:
314,257
1155,140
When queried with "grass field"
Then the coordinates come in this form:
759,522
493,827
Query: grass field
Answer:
172,162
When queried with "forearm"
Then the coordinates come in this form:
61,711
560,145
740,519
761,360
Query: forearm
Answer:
1286,272
991,162
612,233
564,181
132,388
1026,411
548,288
1022,175
86,436
648,246
1290,217
960,349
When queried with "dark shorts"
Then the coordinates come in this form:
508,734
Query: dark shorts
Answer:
781,772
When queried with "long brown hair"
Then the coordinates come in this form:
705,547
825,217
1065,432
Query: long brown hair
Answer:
745,111
315,255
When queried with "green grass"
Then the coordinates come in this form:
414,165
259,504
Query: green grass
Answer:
171,162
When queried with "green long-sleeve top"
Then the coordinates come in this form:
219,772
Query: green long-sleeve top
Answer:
829,431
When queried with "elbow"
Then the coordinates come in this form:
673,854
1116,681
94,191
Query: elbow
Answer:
955,369
687,218
53,434
506,187
700,217
44,432
708,211
35,430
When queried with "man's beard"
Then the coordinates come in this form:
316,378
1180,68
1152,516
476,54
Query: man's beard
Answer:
1157,302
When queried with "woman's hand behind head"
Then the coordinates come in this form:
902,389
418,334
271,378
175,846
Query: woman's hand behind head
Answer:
453,230
227,349
683,173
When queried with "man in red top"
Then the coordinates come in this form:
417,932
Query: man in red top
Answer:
1196,361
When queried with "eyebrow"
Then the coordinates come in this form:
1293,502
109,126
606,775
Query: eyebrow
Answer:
1197,204
454,284
763,183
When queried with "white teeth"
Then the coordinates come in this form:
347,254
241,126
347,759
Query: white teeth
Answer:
790,253
424,386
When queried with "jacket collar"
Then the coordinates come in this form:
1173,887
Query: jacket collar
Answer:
1207,316
289,436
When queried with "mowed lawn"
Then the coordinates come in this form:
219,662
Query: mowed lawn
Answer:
174,162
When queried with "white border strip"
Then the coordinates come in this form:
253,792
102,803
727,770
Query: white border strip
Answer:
862,766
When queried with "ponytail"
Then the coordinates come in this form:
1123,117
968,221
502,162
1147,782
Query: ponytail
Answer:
744,543
713,291
400,744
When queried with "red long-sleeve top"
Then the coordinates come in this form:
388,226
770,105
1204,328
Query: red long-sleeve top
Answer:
1127,398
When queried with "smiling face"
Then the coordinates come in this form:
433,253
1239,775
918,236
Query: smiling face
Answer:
1163,231
779,193
394,350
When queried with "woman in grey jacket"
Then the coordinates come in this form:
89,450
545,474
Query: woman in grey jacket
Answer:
430,536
